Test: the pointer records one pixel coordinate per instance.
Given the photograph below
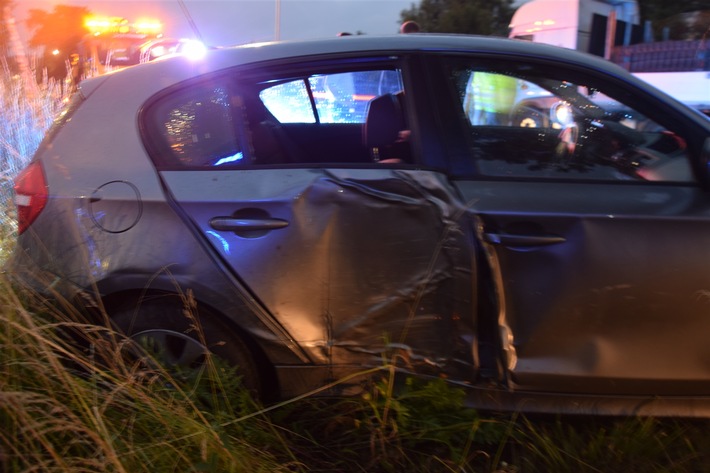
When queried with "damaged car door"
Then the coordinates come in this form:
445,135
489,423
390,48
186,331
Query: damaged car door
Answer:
354,259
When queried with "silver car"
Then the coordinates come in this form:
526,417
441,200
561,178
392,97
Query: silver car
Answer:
528,222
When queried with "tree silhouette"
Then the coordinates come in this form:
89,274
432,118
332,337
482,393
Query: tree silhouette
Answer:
492,17
655,10
59,33
486,17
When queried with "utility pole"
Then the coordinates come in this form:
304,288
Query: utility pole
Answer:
277,21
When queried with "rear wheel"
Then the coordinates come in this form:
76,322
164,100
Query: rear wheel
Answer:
189,344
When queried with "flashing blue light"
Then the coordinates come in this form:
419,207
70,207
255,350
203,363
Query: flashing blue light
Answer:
220,240
230,159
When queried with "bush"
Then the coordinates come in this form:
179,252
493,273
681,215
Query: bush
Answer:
27,112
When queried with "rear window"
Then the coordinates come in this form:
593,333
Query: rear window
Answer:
195,127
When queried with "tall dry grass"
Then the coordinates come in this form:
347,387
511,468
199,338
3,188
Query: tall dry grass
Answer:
91,404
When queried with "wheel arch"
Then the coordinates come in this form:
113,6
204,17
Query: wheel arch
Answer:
114,302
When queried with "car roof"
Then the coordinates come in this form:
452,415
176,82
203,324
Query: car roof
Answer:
176,69
140,82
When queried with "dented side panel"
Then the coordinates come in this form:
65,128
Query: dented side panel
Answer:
353,263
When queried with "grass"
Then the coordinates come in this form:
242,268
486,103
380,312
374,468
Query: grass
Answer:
65,408
83,407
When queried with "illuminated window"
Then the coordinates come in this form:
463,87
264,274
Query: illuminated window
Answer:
338,98
195,128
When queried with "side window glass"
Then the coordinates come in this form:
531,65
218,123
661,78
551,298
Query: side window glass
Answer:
249,118
289,102
489,98
194,127
532,124
344,97
338,97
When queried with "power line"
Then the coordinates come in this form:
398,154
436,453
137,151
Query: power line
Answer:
193,26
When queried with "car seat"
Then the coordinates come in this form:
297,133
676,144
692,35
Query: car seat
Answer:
270,142
383,129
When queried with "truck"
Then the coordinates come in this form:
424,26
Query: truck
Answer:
613,29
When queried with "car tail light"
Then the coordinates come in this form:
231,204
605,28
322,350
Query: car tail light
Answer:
30,195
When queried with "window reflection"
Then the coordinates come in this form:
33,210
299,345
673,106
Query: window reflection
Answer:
528,125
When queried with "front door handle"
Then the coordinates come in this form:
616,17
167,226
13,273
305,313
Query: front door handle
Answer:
231,224
522,240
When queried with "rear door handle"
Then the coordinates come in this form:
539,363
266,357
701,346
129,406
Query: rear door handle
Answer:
522,240
231,224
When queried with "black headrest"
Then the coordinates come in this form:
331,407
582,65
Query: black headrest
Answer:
384,121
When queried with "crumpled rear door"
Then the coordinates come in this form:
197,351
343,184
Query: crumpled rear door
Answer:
348,261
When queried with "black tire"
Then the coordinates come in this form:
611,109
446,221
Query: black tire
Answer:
182,342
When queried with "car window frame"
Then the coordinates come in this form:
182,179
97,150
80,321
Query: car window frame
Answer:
645,102
155,146
280,71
